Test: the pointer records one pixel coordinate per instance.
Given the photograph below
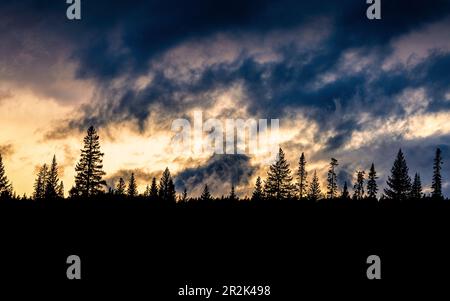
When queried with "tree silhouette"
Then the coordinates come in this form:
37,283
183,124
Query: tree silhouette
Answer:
88,180
314,193
147,191
5,186
154,189
132,187
302,175
416,190
184,196
332,179
51,185
206,196
372,187
60,190
232,196
278,183
359,185
399,182
258,191
345,194
120,188
167,188
437,179
40,183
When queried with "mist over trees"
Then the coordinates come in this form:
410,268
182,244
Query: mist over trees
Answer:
279,183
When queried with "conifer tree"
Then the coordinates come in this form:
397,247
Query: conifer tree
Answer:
147,191
40,183
233,196
51,185
437,179
416,190
302,176
372,187
184,196
5,186
167,188
154,189
399,182
206,196
60,190
332,188
359,185
88,180
278,184
258,191
132,187
120,188
345,194
314,193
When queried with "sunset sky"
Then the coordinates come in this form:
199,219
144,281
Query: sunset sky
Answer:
341,85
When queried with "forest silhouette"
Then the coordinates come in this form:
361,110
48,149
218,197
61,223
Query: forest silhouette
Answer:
281,187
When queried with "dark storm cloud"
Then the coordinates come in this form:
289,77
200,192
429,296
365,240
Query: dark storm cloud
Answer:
140,175
219,172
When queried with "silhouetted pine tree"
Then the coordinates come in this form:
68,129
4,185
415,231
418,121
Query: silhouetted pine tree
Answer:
167,188
359,185
60,190
5,186
40,183
278,183
345,194
51,185
147,191
416,190
132,187
332,188
302,176
184,196
372,187
206,196
314,193
437,179
88,180
258,191
154,189
399,182
233,196
120,188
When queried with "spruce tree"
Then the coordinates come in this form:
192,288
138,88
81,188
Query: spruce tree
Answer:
154,189
88,180
40,183
278,184
359,186
120,188
132,187
167,188
60,190
416,190
206,196
399,182
233,196
258,191
302,175
5,186
332,188
51,185
345,194
372,187
184,196
147,191
437,179
314,193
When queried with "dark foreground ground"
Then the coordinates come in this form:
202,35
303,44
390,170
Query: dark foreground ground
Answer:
294,247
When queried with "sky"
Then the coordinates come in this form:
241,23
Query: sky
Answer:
340,85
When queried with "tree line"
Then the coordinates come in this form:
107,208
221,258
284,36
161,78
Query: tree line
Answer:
280,182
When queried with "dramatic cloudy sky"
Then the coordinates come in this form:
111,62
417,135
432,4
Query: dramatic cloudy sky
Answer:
342,86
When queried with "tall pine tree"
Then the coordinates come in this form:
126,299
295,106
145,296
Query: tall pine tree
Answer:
120,188
372,187
258,190
60,190
51,185
416,190
206,196
154,189
5,186
332,188
314,193
40,183
167,188
399,182
437,179
132,187
359,185
345,194
302,176
278,183
88,180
